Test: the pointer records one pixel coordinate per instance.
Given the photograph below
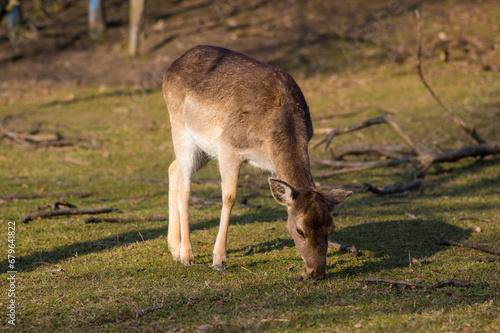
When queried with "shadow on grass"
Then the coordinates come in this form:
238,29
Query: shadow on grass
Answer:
394,241
391,240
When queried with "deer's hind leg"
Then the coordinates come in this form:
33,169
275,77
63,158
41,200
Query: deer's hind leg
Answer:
189,160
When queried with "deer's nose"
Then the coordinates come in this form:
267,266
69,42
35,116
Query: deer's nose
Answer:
316,274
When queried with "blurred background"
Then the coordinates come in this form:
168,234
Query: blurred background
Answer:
46,43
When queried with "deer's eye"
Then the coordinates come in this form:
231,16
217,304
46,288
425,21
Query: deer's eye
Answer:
301,233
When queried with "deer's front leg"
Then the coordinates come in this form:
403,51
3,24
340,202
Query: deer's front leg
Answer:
230,170
186,253
174,219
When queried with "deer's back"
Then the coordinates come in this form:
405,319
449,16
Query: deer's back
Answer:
223,96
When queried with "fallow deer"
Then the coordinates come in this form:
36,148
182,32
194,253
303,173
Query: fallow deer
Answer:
233,108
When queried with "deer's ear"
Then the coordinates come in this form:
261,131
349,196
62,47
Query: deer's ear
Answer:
282,192
337,196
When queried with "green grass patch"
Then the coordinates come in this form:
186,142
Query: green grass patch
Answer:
120,277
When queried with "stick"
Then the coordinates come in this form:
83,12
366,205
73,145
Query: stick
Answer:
475,218
488,148
392,151
55,205
64,212
480,247
440,284
471,131
10,197
361,165
348,129
390,202
402,134
394,189
93,219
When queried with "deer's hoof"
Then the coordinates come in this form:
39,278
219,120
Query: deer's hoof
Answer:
220,267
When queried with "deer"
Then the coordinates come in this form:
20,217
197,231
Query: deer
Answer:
227,106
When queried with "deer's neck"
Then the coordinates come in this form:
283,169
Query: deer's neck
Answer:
293,168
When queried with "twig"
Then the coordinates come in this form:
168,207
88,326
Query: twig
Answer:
402,134
440,284
481,247
247,251
475,218
363,166
93,219
55,205
139,313
246,269
390,202
391,151
9,197
367,123
471,131
394,189
65,212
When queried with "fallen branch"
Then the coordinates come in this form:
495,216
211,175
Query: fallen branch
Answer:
65,212
57,204
471,131
367,123
394,189
41,138
391,151
481,247
10,197
475,218
357,166
93,219
440,284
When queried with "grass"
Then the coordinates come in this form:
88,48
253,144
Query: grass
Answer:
104,277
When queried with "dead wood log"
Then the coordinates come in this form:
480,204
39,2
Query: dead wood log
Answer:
453,155
66,212
93,219
416,183
471,131
440,284
422,162
481,247
9,197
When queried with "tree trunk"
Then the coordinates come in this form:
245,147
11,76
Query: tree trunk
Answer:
136,25
14,20
97,24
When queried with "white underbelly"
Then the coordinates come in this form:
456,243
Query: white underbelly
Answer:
213,148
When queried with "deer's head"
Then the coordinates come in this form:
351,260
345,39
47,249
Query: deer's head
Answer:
310,221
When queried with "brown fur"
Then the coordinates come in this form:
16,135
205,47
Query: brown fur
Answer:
228,106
